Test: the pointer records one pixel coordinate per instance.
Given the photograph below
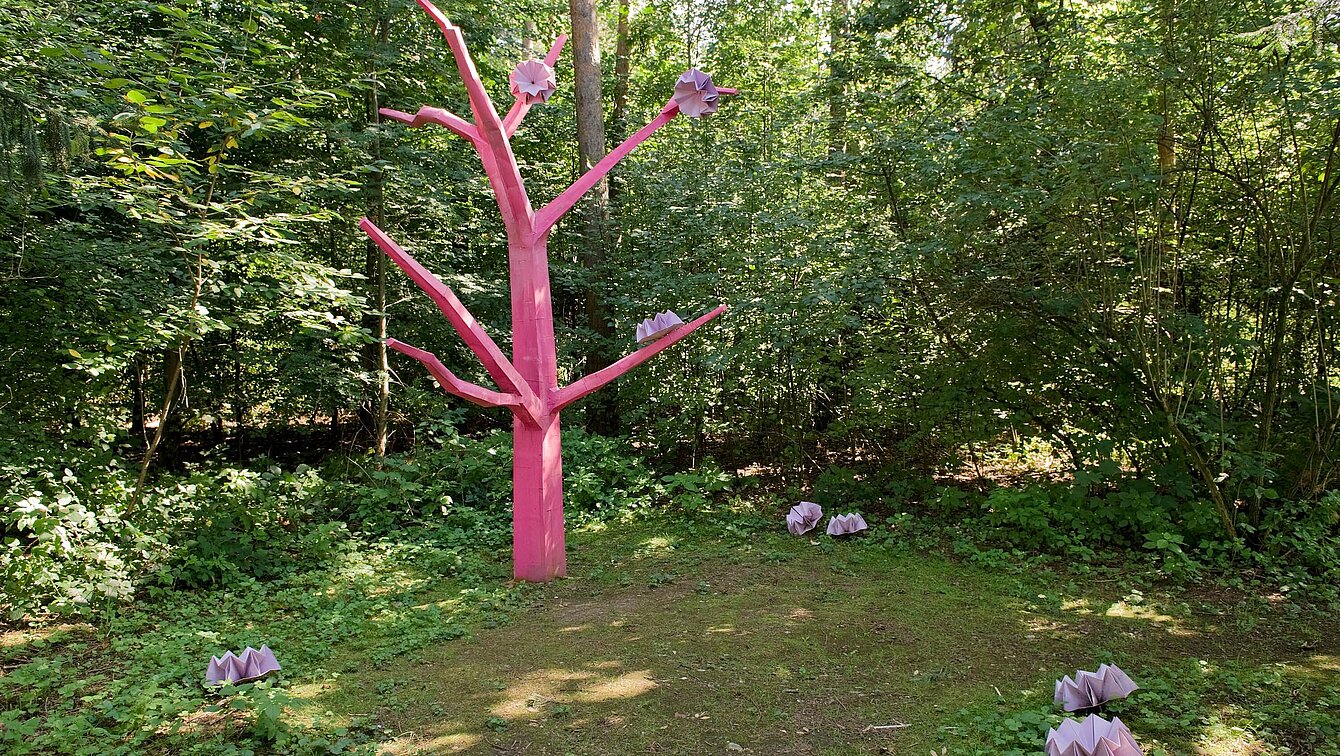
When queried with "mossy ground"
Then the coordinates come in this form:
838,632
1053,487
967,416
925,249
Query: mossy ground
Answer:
698,638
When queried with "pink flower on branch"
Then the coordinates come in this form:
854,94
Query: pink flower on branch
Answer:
657,326
695,94
533,81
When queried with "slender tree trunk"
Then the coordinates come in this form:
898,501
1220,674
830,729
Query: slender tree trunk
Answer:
1041,26
1167,136
378,404
837,76
623,67
137,399
172,367
239,400
602,409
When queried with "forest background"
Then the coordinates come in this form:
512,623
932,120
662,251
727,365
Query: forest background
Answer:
1101,232
1059,275
1036,281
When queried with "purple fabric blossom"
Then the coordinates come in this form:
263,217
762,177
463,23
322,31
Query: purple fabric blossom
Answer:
695,94
803,517
1094,736
251,664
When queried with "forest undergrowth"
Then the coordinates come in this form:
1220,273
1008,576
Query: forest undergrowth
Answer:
373,580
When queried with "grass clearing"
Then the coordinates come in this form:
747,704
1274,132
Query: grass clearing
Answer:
696,638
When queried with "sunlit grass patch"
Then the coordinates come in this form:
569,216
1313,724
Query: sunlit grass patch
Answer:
683,637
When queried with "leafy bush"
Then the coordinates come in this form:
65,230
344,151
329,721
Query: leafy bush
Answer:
69,547
246,523
134,685
1282,709
66,547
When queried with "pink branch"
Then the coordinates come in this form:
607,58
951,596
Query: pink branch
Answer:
497,364
501,167
455,123
595,381
550,214
474,86
522,106
450,383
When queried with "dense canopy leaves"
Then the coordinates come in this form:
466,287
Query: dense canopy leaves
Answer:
1107,227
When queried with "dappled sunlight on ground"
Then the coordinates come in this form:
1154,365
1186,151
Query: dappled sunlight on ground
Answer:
569,686
1080,605
801,614
1136,611
653,545
807,654
13,639
1235,744
450,743
1219,739
1324,663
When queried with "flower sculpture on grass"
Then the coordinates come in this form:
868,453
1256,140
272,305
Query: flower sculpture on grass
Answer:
251,664
1089,689
533,81
1094,736
803,517
846,524
695,94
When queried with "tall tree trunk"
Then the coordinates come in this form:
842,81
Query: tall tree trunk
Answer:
602,409
623,67
239,399
137,399
172,369
377,405
837,76
1167,136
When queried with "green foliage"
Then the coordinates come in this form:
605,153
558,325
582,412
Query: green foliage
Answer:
70,549
397,596
66,546
246,523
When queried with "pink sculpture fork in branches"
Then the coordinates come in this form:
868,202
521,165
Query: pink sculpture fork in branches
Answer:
528,383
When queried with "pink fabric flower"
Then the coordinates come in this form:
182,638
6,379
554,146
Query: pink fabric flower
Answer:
533,81
695,94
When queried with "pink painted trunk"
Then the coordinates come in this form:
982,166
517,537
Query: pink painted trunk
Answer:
538,552
537,446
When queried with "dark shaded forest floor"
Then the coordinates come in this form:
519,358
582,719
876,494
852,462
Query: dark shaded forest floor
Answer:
695,638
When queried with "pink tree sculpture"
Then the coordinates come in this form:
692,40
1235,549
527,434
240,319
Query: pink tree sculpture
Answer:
528,383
